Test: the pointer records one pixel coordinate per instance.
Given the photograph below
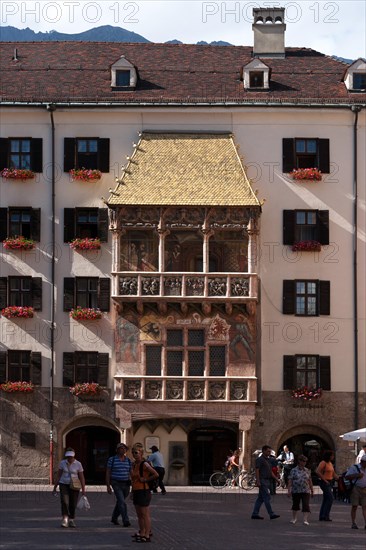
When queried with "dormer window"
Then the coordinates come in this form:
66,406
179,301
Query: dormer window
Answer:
256,79
359,81
256,75
355,76
123,75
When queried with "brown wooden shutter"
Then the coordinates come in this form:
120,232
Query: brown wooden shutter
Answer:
323,226
104,293
3,223
69,224
288,305
324,158
288,227
3,292
68,369
4,153
36,224
103,224
69,154
36,368
69,293
324,297
3,358
289,372
288,155
36,155
324,372
103,154
37,293
103,360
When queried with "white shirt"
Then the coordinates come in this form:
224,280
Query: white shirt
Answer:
360,454
69,470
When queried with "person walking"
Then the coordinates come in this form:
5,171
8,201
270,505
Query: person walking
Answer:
118,478
287,458
157,462
264,474
327,474
357,474
141,474
300,487
70,479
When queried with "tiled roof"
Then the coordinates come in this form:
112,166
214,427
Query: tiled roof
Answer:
184,169
80,72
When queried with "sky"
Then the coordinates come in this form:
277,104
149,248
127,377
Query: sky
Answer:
333,28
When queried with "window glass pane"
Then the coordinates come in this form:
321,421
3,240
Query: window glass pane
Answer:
82,147
15,216
81,284
311,288
217,361
359,81
311,306
14,146
300,287
311,145
312,379
300,146
300,362
300,379
122,78
300,305
93,284
93,146
174,363
25,162
196,337
311,218
196,363
174,337
312,362
153,360
300,217
26,217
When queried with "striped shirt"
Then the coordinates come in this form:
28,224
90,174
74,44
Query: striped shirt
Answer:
120,469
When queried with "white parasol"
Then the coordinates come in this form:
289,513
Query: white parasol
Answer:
355,435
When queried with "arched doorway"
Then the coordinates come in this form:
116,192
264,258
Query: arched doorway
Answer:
209,446
93,445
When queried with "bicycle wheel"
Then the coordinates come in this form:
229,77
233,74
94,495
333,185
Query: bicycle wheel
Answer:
218,480
248,482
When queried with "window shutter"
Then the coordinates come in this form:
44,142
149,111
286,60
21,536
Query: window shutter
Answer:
288,306
69,224
68,369
324,157
69,154
103,360
289,379
3,292
36,155
103,224
3,223
36,224
3,356
288,226
103,154
324,297
36,368
69,293
37,293
4,153
288,155
323,226
324,372
104,293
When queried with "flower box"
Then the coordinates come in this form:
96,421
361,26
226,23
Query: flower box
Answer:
21,387
18,243
85,244
85,314
12,312
307,174
83,174
306,394
85,388
17,174
307,246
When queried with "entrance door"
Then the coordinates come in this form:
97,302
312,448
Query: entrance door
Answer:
93,445
208,450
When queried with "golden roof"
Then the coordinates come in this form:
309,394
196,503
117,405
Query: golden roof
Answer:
184,169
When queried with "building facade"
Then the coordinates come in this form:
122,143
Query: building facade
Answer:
172,265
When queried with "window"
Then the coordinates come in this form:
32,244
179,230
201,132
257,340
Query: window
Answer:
88,292
16,222
85,223
123,78
85,366
186,354
92,153
24,153
305,153
21,365
256,79
256,75
308,298
21,291
359,81
305,225
306,370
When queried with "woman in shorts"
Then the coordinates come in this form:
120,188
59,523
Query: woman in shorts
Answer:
300,487
141,474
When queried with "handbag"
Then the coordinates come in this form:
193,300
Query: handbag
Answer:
75,483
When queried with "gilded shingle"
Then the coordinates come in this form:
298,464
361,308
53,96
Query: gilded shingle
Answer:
184,169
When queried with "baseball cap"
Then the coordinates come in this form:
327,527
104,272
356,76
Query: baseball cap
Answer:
154,448
122,445
70,453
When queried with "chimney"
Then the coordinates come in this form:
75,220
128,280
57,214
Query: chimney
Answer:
269,32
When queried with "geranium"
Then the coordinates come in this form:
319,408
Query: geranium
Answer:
85,244
311,174
307,246
85,388
12,312
17,174
85,314
24,387
84,174
18,243
307,394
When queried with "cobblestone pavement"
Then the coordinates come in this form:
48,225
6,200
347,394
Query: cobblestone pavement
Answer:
186,518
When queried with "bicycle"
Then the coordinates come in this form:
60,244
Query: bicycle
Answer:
220,480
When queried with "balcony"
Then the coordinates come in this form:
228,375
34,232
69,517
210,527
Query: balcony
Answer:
184,287
150,388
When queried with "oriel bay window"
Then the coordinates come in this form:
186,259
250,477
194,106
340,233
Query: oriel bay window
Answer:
308,298
21,365
21,291
85,366
312,371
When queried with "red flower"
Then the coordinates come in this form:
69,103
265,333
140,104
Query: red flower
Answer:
18,243
85,388
85,244
23,387
307,394
310,174
307,246
11,312
85,314
84,174
17,174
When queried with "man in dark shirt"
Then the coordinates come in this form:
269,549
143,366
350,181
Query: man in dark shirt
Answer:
264,475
